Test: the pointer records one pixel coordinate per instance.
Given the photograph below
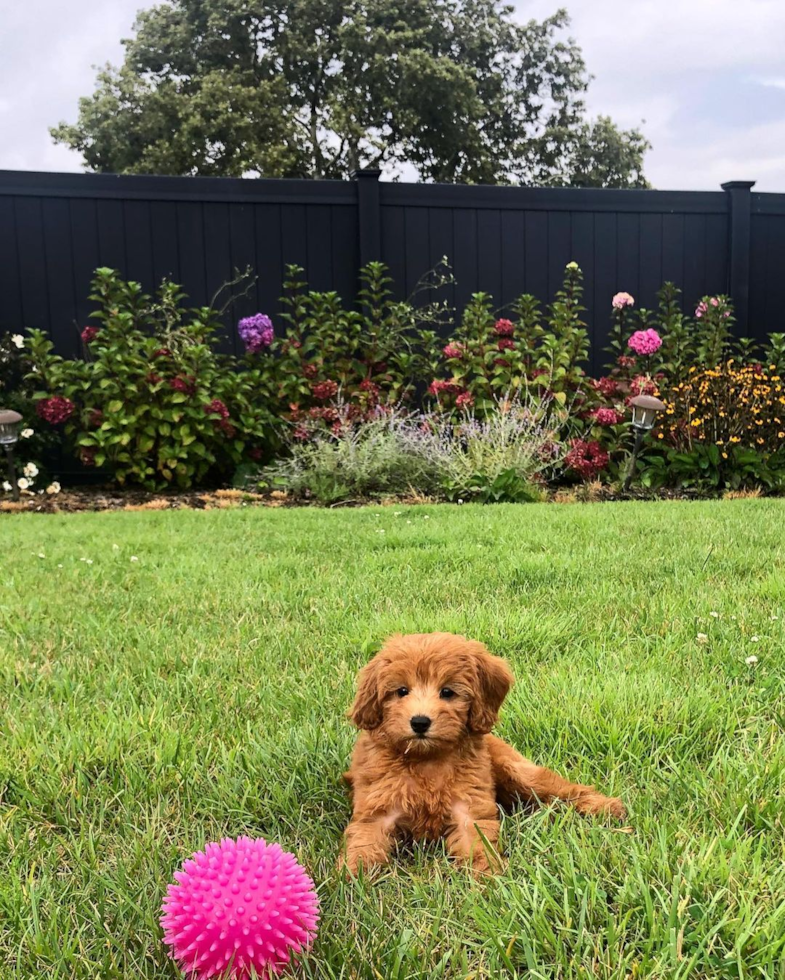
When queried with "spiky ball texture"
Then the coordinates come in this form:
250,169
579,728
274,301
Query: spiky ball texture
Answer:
239,909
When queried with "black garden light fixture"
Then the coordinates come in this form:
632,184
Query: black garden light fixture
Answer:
10,424
645,409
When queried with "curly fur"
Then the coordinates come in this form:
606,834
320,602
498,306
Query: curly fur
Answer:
450,781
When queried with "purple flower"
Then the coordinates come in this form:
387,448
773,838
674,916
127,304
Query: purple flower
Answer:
256,332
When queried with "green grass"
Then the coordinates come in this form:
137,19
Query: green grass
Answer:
149,706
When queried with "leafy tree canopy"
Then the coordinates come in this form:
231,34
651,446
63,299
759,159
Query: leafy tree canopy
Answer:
318,88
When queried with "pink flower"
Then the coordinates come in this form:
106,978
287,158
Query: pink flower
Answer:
645,342
324,390
622,300
714,301
606,416
444,388
586,458
642,386
606,387
465,400
504,328
454,350
700,309
506,343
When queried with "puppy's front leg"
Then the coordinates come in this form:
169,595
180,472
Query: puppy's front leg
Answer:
368,842
472,838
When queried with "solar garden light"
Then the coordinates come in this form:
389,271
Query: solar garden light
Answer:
644,414
10,423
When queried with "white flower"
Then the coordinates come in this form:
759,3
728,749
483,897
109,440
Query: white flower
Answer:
89,561
716,615
26,433
408,522
41,554
702,638
427,517
754,639
53,488
774,618
134,558
59,566
22,483
18,340
460,501
30,470
115,547
751,661
7,486
397,513
733,617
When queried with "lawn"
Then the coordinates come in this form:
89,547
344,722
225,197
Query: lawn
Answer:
171,677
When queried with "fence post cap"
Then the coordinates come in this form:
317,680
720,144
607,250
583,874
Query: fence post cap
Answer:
738,185
366,173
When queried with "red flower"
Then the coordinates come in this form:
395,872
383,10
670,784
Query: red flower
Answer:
89,334
504,328
87,455
538,372
324,390
162,352
310,371
188,385
454,350
297,344
301,434
606,416
55,410
444,388
95,418
370,389
226,427
153,378
501,362
625,361
587,459
506,343
217,407
642,386
255,454
464,400
606,387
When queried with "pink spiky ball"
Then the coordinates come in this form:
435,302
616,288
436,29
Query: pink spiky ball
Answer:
239,909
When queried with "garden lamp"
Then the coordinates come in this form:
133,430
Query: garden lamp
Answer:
10,423
644,414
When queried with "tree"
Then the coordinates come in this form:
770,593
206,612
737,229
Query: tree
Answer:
317,88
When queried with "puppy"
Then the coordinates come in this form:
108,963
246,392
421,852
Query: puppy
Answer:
426,765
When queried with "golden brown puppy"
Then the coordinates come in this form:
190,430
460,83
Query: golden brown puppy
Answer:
425,764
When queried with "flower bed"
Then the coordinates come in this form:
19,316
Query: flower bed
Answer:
334,404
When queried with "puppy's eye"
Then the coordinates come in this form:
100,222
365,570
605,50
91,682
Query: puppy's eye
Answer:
446,693
402,692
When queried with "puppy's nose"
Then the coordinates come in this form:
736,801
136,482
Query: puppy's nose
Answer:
420,724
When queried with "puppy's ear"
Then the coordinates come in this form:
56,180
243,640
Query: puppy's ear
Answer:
366,712
494,680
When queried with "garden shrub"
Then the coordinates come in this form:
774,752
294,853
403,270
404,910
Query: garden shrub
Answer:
389,452
36,441
151,401
488,355
360,358
502,456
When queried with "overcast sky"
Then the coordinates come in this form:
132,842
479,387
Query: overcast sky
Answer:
707,76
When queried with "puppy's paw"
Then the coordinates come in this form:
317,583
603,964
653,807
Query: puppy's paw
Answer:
597,804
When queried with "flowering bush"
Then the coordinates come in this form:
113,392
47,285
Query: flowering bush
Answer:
36,441
489,355
362,358
155,404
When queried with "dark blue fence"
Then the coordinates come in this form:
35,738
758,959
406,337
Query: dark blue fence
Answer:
55,229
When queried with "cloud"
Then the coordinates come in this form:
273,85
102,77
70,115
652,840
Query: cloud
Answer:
705,75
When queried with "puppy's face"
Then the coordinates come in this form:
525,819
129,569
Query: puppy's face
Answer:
425,692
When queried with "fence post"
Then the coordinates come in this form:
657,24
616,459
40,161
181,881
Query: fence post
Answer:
369,217
739,211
